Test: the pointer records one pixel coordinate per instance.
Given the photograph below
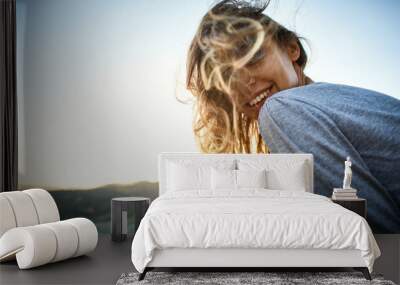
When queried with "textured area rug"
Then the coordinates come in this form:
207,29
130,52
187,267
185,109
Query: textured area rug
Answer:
231,278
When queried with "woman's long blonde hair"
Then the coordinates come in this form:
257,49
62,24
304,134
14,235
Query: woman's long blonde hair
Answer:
228,38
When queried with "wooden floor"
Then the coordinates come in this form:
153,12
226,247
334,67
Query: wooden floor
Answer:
103,266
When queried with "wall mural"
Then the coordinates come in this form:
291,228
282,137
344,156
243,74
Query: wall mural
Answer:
97,83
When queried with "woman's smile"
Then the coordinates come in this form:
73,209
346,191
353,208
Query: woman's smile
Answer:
252,106
260,97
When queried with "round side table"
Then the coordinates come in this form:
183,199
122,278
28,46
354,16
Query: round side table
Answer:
120,207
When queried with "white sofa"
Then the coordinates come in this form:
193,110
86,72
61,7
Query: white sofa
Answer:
31,231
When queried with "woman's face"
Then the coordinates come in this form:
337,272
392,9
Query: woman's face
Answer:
271,70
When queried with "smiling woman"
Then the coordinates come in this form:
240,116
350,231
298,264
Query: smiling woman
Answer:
239,57
246,72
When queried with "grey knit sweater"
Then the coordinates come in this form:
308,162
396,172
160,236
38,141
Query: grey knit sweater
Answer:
332,122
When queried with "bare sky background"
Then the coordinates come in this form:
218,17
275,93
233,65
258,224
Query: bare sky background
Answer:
97,78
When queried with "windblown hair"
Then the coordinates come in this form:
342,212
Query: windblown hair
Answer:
227,39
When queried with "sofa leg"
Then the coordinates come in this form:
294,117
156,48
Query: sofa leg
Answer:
364,271
143,274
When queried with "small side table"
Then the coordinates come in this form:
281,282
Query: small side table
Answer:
358,205
119,215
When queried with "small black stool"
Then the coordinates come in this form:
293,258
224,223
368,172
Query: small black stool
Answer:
119,215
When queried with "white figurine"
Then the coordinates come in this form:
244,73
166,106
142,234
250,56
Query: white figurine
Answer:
347,174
